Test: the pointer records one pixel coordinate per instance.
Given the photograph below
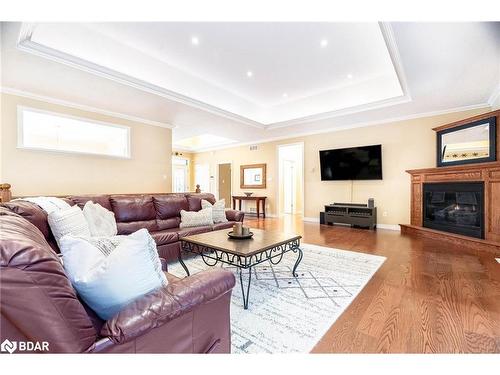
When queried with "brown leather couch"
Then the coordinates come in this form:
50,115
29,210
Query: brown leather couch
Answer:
158,213
38,303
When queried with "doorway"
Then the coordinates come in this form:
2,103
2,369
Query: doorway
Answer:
291,179
224,183
180,173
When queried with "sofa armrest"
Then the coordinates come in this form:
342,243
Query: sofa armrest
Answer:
234,215
163,305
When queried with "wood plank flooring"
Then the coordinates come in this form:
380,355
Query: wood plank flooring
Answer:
428,297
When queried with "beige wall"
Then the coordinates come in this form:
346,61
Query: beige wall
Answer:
405,145
41,172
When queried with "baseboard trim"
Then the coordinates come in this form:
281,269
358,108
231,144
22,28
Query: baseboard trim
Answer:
254,215
311,219
379,226
389,227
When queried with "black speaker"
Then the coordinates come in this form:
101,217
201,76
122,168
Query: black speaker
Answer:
371,203
322,218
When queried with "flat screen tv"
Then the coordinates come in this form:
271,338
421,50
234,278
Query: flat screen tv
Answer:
355,163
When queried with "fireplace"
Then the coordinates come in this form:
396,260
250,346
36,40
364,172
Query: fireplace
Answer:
456,207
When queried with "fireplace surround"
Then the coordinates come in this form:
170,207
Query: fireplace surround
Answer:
426,224
455,207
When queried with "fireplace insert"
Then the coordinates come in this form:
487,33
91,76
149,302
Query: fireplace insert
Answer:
456,207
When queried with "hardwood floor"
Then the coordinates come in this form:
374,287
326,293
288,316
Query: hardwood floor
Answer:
428,297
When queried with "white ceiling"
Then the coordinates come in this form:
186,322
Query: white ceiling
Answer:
153,71
265,72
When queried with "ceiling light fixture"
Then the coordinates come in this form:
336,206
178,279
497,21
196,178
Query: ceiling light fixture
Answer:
323,43
285,95
249,74
195,41
349,76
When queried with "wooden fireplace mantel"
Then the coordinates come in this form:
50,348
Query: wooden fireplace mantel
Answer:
488,173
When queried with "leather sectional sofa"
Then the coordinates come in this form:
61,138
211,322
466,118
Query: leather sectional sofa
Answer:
38,303
158,213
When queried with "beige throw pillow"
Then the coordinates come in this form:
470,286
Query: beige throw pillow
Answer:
196,218
102,222
218,210
68,221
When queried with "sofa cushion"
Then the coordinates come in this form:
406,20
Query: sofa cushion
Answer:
103,200
191,219
128,228
108,281
218,210
194,230
129,208
68,221
37,298
163,237
168,206
100,220
173,222
33,213
194,200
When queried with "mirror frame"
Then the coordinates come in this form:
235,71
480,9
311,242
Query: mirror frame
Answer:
262,185
493,142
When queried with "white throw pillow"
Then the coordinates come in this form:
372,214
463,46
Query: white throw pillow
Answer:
102,222
68,221
218,210
107,283
196,218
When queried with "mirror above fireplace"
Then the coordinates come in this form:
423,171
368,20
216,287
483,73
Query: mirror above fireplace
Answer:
474,142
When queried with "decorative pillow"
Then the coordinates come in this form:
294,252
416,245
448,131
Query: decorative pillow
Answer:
218,210
68,221
196,218
101,221
109,280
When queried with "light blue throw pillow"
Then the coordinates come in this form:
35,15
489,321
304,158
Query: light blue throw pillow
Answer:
109,273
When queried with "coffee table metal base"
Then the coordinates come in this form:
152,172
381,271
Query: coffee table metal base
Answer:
212,257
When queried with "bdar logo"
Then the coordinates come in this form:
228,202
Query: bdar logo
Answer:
8,346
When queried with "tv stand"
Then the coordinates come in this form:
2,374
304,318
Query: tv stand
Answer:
354,214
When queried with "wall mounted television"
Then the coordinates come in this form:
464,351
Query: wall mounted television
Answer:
354,163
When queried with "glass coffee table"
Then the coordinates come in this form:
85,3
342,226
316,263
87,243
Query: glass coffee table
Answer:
265,245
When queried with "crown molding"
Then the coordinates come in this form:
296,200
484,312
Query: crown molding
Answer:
347,127
495,96
64,103
25,44
393,50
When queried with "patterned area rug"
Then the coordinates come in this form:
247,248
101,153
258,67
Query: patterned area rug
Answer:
287,314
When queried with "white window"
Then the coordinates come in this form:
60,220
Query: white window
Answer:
42,130
180,175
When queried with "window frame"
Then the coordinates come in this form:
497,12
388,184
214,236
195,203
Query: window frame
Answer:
20,133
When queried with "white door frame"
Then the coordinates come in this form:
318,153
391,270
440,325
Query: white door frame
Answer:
277,184
293,186
186,170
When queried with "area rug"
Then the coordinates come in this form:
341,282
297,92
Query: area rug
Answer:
287,314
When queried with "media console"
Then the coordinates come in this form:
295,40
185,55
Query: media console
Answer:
355,214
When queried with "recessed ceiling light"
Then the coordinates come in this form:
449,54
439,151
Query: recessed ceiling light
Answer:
249,73
285,95
195,41
349,76
323,43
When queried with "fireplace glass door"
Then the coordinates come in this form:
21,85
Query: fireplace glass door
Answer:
455,207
